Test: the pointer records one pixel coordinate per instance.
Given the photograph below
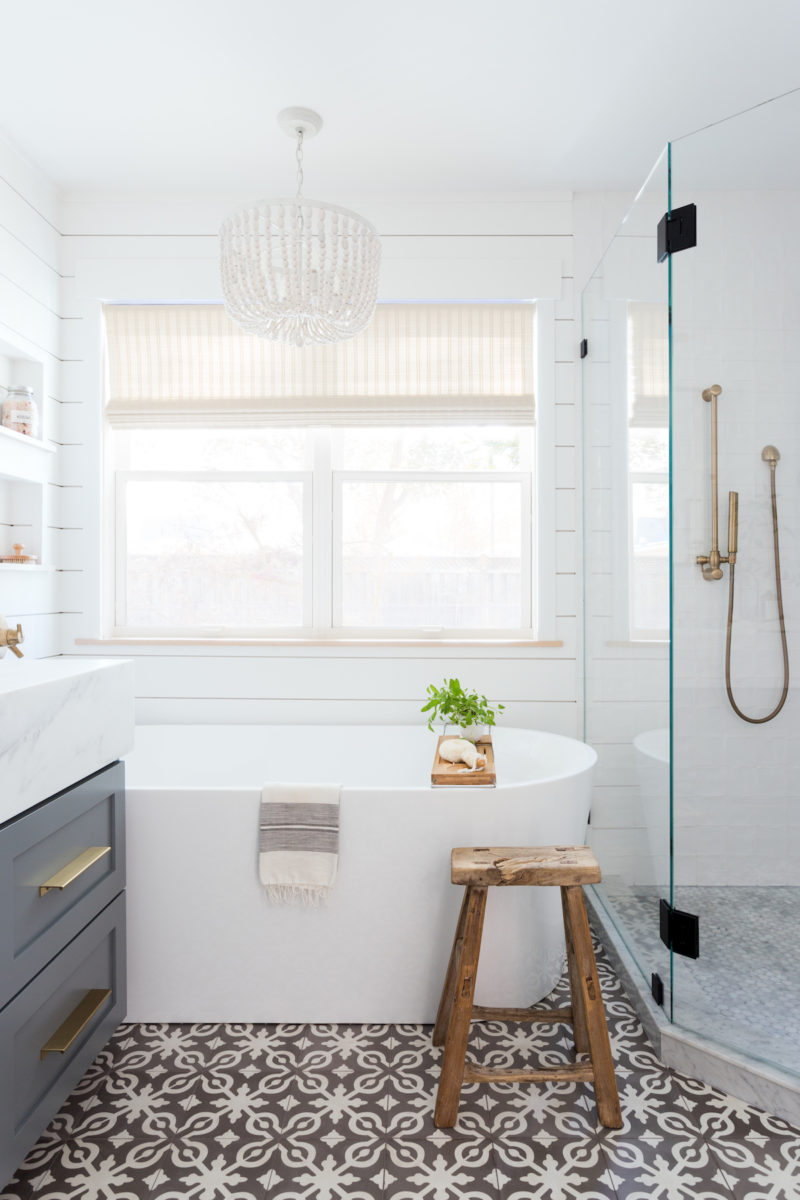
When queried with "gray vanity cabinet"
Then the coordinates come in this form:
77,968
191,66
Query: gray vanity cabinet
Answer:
62,951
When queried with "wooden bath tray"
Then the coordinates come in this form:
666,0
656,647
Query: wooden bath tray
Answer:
447,774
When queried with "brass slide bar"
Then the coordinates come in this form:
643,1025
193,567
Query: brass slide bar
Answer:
76,1022
72,870
710,564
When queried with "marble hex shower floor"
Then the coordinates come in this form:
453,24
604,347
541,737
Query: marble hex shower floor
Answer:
345,1112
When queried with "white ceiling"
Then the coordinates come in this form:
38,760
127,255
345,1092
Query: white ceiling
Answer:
419,97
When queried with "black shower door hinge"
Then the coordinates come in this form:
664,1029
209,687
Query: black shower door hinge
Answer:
677,231
657,988
584,348
680,931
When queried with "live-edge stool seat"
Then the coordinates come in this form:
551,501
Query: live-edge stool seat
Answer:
477,868
516,866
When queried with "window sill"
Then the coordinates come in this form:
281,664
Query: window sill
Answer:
640,642
344,643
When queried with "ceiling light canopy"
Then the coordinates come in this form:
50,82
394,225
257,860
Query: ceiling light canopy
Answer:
295,270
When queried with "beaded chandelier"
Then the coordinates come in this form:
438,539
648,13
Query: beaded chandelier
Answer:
295,270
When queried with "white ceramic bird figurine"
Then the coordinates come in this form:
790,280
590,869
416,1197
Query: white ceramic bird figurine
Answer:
460,750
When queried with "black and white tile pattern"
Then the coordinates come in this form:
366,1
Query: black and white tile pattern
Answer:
345,1112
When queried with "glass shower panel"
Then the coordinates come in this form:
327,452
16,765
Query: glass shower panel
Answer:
626,576
736,801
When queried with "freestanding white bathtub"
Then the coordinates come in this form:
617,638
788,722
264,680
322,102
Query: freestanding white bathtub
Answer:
204,944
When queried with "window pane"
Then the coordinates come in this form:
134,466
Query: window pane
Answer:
212,449
650,559
438,553
648,449
224,554
455,448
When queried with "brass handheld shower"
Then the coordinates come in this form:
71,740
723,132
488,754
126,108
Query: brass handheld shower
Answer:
771,455
711,564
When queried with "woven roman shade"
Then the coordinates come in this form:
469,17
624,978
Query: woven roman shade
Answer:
189,364
648,364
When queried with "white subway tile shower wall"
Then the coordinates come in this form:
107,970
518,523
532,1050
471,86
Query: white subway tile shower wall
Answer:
736,322
737,814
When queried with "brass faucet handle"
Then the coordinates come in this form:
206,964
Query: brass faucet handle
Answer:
733,526
13,637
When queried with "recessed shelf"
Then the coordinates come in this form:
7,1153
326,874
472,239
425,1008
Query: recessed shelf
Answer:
24,459
25,567
26,440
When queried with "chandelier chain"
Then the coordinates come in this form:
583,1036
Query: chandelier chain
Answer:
299,156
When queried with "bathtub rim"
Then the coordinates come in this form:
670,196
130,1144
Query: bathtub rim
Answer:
584,750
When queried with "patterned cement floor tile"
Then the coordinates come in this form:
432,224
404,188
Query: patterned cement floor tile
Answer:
345,1112
88,1169
762,1169
333,1115
448,1168
575,1169
16,1189
720,1116
671,1169
322,1170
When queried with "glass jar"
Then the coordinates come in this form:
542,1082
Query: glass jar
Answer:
20,411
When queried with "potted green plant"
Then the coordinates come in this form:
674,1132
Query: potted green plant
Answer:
452,705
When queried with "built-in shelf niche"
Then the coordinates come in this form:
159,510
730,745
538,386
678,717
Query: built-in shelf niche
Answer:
25,464
20,518
21,370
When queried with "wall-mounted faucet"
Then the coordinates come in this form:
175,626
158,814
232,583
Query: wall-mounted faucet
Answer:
10,638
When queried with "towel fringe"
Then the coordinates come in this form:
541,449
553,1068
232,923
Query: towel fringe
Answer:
310,897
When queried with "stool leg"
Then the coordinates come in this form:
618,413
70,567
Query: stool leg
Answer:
605,1084
449,989
455,1050
579,1034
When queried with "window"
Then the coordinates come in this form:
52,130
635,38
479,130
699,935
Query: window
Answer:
648,471
224,527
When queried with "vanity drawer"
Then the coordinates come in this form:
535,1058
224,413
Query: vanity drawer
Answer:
54,844
65,1005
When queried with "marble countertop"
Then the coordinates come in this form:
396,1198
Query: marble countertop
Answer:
61,719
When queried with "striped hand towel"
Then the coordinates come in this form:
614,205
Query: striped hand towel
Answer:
298,840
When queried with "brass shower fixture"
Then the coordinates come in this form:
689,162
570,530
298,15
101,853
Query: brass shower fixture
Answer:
710,563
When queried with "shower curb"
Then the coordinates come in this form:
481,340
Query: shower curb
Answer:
768,1088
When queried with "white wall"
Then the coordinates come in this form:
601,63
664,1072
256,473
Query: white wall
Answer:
31,326
432,250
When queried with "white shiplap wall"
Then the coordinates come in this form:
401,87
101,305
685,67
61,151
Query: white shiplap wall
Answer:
31,324
432,250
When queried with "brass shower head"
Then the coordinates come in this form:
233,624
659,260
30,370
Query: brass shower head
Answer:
771,455
714,390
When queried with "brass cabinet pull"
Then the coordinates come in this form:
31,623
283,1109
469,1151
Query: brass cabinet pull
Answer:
72,870
76,1022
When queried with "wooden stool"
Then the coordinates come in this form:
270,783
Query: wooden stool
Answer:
567,867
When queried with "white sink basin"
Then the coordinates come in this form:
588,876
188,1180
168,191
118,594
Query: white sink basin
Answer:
61,719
